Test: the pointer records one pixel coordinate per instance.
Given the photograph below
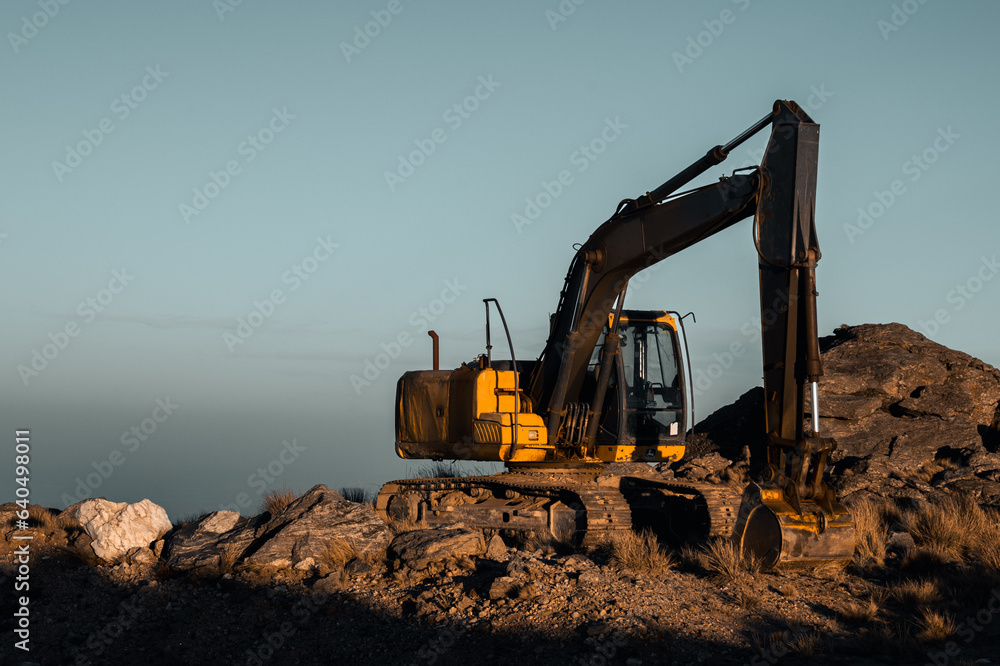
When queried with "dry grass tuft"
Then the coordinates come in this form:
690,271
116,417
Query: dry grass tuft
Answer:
915,592
276,500
641,553
227,559
399,524
808,644
726,562
337,554
860,612
954,523
936,627
870,531
747,599
788,590
356,494
927,560
39,516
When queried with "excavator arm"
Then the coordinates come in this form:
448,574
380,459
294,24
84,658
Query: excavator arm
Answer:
794,516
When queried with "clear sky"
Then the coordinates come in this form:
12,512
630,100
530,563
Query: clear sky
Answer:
215,215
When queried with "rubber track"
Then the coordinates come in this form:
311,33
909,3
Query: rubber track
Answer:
607,510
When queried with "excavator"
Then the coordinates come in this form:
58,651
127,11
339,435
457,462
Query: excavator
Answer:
579,428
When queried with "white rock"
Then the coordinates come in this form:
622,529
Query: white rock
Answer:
116,527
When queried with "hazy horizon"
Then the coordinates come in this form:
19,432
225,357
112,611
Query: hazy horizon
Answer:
223,219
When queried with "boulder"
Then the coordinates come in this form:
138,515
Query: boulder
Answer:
496,549
897,404
419,548
307,526
116,527
197,544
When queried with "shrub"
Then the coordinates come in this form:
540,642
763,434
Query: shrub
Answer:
276,500
640,553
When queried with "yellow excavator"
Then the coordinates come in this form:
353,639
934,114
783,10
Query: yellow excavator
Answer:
610,393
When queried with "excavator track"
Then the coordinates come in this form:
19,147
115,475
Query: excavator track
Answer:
579,505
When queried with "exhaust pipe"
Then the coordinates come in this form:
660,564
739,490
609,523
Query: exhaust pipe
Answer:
434,337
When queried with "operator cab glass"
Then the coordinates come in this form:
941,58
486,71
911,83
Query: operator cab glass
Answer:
646,384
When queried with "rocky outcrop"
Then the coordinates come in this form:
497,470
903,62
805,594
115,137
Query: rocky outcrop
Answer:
117,527
908,415
197,544
419,548
306,527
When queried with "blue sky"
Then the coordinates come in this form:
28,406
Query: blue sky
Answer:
173,169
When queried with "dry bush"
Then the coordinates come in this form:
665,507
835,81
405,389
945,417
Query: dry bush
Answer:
747,599
927,560
227,559
39,516
915,592
727,564
988,551
869,531
955,523
337,554
399,524
692,557
860,612
640,553
935,627
356,495
527,592
807,644
788,590
276,500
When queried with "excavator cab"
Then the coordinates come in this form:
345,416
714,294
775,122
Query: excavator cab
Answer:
646,405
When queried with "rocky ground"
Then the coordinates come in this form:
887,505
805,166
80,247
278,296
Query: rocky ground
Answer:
321,580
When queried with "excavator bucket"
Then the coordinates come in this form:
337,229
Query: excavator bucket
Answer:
771,530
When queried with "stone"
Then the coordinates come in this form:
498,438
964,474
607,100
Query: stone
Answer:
419,548
116,527
496,549
197,544
502,587
307,526
138,555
